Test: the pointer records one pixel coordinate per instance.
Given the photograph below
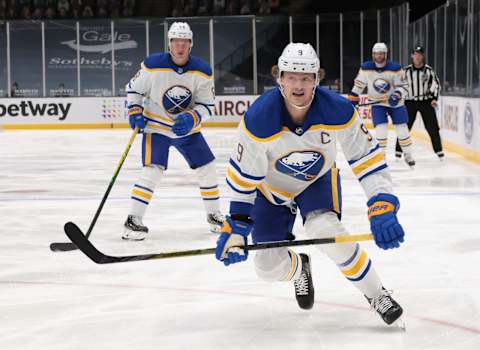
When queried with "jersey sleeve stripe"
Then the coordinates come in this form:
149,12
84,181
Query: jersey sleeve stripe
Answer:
370,152
237,190
381,167
251,177
373,161
240,182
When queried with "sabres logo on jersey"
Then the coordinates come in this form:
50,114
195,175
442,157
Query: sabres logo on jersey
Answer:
302,165
381,85
176,99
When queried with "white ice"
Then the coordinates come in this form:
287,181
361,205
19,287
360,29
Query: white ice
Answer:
65,301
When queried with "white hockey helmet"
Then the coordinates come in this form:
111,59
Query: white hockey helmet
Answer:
380,47
180,30
299,58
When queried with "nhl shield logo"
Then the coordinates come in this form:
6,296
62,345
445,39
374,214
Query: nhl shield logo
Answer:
381,86
176,99
304,165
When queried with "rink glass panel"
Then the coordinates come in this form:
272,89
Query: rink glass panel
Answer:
233,53
131,34
26,58
351,49
330,50
385,31
156,35
61,58
272,36
476,50
369,33
95,58
437,60
462,39
3,61
450,50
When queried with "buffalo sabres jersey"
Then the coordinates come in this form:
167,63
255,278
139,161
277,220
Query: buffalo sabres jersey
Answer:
380,82
281,159
165,90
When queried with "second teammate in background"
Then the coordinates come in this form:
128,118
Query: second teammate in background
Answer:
385,82
285,159
168,99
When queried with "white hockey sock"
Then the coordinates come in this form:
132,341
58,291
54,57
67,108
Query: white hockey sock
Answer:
207,179
404,139
278,264
142,191
381,134
352,261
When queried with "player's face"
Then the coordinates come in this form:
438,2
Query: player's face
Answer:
298,87
180,49
417,59
379,57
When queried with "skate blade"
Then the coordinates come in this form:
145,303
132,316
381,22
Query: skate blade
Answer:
400,323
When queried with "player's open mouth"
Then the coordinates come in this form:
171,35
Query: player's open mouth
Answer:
298,94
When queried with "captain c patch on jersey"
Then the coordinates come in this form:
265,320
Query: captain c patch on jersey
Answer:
176,99
302,165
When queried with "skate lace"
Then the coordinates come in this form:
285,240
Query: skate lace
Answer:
382,302
216,218
136,221
301,285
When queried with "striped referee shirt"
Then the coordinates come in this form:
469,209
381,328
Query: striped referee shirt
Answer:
423,83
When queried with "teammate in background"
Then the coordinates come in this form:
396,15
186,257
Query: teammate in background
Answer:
423,90
285,158
168,98
385,82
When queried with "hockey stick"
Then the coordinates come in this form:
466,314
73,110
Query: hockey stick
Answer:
82,242
371,103
66,246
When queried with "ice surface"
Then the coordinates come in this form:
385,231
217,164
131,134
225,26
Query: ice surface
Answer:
64,301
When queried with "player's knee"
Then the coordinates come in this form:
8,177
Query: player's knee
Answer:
272,264
207,172
322,224
151,174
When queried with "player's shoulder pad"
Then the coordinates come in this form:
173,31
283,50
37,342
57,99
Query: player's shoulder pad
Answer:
368,65
393,66
157,60
263,119
197,64
332,108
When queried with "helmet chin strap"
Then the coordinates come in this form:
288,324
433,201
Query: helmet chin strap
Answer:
293,104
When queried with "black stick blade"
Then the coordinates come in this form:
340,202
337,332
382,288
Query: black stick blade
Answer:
62,247
78,238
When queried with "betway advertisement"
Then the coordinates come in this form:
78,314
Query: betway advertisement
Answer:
61,112
95,111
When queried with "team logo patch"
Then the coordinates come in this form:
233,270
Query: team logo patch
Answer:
381,86
176,99
303,166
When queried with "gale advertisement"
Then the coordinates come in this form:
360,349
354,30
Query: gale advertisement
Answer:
107,110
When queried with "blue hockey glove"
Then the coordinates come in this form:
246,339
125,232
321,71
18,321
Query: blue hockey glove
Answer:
382,212
185,122
230,245
136,118
394,99
353,98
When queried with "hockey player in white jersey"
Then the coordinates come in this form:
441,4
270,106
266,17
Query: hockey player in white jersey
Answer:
385,82
168,99
285,159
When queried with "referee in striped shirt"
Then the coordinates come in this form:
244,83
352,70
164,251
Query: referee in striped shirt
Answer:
423,89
